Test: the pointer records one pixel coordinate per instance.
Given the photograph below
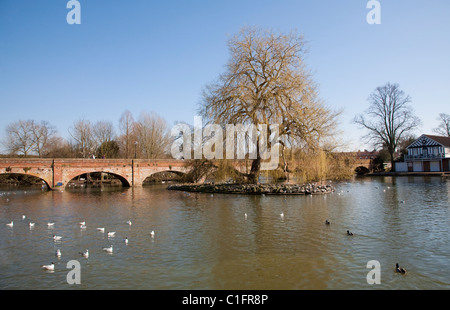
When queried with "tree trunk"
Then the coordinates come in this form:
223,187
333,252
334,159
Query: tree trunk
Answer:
285,164
392,162
253,176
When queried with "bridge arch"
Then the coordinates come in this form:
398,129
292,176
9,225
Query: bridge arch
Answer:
361,170
164,175
34,175
123,179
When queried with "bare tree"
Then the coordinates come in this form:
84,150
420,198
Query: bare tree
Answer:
29,137
19,137
388,119
58,147
127,138
444,125
152,136
103,133
82,134
43,133
266,82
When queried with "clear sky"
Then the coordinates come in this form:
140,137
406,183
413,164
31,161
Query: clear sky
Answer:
146,55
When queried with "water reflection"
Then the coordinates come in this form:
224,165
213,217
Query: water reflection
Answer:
205,241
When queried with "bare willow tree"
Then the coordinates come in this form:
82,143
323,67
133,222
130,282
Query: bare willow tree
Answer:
388,119
444,125
266,82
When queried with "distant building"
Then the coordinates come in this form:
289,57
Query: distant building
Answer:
427,154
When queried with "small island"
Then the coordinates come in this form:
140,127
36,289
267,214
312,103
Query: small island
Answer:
255,189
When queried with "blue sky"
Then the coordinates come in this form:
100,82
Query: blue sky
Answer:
146,55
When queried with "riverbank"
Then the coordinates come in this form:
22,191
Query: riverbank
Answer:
255,189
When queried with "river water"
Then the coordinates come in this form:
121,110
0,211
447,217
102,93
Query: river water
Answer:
235,242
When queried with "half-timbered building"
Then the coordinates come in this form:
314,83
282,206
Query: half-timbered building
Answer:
429,154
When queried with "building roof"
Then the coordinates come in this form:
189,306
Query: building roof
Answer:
430,140
445,141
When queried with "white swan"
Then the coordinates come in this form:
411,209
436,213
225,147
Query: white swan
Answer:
31,225
152,234
57,238
10,224
50,224
82,223
111,233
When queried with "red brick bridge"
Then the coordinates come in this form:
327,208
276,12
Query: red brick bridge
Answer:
58,172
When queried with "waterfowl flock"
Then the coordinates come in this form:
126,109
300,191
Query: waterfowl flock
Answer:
111,234
57,239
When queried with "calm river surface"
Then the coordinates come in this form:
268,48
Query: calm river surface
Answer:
206,242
